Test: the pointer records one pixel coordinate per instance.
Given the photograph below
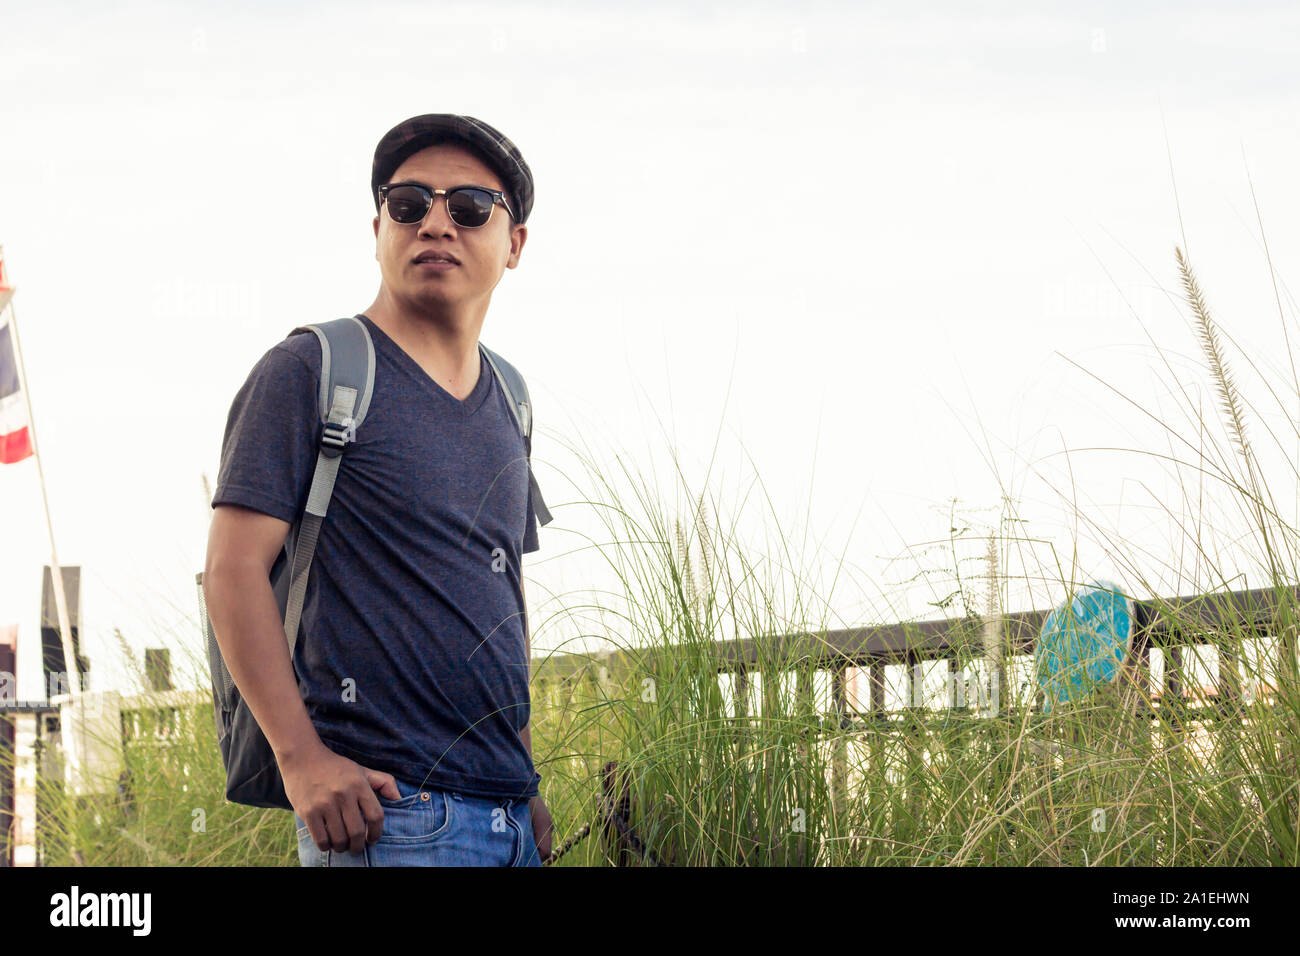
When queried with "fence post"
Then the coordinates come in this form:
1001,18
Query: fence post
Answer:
804,686
1174,682
839,762
1228,710
879,728
915,734
772,679
1288,676
741,695
806,709
740,691
1172,708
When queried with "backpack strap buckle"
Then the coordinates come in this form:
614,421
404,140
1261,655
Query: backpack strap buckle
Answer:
341,427
335,438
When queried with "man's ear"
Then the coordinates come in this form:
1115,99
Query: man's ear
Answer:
376,238
517,239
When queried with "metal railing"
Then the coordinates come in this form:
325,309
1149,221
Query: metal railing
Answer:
1169,624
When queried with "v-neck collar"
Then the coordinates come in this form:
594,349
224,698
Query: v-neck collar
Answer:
472,402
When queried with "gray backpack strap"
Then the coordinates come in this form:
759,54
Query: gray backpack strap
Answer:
512,383
347,380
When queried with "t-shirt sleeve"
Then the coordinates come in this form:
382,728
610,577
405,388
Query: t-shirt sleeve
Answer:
268,455
530,523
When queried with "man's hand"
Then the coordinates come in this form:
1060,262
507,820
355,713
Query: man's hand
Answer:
541,818
335,797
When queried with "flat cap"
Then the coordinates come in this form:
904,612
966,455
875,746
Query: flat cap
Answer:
501,155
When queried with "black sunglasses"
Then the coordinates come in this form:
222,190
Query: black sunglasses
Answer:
468,206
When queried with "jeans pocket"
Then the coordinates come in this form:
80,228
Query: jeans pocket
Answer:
405,802
420,817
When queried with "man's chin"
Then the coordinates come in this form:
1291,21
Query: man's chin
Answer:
432,298
433,302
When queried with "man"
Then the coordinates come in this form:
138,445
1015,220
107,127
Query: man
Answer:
405,739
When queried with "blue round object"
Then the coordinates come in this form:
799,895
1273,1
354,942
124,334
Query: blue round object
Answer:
1083,643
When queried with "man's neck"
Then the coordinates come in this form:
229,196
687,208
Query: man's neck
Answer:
445,346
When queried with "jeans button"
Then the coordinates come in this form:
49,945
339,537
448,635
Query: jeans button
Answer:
424,795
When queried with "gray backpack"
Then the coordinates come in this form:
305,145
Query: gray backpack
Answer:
346,382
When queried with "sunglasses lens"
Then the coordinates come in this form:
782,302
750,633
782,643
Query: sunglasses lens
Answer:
469,207
407,204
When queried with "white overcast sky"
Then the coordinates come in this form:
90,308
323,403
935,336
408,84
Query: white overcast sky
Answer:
880,256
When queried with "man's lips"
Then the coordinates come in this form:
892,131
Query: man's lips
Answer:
431,256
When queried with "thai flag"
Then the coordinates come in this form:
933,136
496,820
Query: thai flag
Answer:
15,435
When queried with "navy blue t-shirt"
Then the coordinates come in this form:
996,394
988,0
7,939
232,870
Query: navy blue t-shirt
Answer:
410,655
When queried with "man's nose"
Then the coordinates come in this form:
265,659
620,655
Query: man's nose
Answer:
436,220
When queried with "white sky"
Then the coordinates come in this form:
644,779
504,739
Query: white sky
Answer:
857,246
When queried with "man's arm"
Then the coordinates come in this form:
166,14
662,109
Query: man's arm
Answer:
333,795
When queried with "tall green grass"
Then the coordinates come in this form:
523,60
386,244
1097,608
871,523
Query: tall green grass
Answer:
168,806
1208,781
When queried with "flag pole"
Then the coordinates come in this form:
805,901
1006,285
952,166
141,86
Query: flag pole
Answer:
60,596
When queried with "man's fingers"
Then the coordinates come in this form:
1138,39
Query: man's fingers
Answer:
384,783
357,828
373,812
338,831
320,831
316,827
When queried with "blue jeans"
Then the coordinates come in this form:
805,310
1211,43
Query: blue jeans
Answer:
427,827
